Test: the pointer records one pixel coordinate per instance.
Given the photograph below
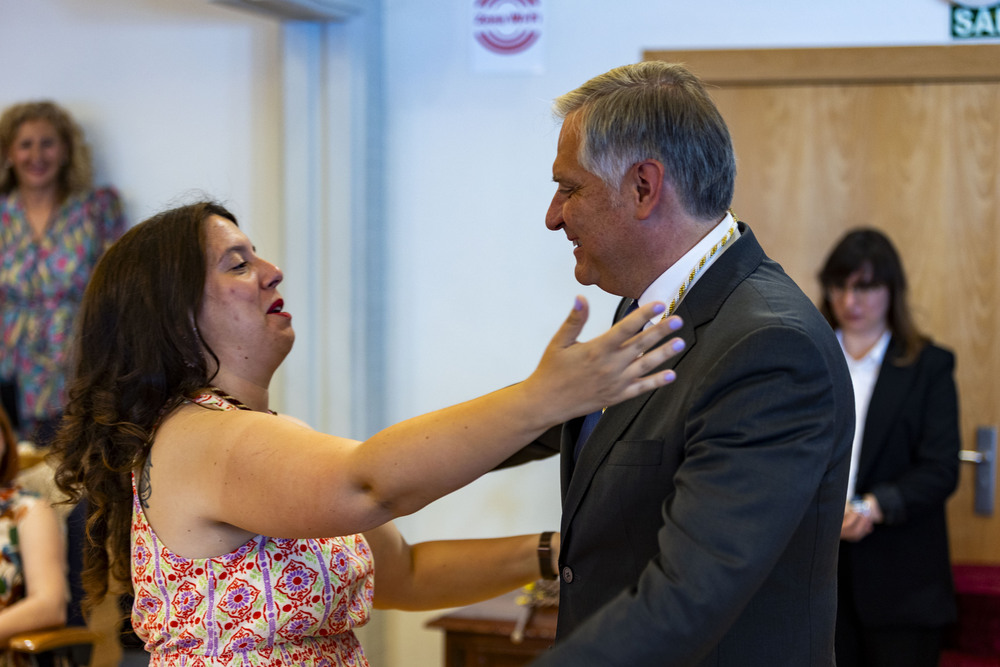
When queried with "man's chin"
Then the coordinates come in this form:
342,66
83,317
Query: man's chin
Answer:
584,276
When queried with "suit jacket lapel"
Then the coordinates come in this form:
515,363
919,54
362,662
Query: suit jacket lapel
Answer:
613,421
701,306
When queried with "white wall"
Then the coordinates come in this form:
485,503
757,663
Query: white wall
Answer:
183,95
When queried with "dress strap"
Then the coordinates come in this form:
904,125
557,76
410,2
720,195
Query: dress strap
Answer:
216,399
212,401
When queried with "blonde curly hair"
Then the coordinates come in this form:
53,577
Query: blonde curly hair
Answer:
77,174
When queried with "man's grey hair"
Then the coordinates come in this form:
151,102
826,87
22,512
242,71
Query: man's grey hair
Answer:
655,110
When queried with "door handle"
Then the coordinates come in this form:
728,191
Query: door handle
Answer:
984,456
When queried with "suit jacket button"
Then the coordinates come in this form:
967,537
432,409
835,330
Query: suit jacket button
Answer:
567,574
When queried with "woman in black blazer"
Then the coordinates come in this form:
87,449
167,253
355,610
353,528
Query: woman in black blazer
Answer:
896,595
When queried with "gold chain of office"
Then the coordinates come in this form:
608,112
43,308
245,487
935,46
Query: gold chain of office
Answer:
696,269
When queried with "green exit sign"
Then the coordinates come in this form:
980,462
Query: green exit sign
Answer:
972,22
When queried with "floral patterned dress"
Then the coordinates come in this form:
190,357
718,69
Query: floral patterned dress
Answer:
14,503
271,602
41,285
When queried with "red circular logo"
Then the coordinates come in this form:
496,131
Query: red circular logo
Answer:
507,26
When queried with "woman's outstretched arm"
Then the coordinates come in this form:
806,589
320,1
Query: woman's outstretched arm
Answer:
270,476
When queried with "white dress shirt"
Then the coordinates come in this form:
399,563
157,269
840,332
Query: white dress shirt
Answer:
864,374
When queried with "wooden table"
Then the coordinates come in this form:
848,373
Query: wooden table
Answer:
480,634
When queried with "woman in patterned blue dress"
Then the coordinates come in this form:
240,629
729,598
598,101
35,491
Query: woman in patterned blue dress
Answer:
53,228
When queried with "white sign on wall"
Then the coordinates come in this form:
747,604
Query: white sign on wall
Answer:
507,36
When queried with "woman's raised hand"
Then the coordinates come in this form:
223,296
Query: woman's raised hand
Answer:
577,378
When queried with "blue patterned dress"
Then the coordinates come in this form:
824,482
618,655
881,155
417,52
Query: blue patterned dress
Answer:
41,286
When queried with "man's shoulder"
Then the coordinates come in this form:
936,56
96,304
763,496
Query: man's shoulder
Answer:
769,300
768,293
745,274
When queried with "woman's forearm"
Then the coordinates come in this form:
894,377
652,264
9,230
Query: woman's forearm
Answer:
451,573
31,613
437,453
450,447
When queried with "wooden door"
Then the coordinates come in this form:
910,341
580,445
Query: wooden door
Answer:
903,139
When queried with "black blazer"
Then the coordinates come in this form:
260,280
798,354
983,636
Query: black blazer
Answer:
900,574
700,524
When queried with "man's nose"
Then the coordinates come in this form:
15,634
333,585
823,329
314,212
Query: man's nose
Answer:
553,217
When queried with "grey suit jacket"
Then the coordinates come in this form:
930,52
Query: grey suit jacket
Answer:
701,522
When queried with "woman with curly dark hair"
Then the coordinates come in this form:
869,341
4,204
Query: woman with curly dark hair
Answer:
240,531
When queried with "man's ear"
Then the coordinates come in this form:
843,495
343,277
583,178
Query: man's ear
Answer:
646,183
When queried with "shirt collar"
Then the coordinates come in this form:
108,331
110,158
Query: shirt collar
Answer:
664,288
874,356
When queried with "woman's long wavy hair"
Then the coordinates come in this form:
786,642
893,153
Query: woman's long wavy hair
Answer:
77,174
870,249
137,353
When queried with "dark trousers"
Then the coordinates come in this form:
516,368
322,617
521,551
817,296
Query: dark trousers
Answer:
859,646
8,397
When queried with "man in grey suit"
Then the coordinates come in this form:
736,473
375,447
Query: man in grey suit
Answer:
700,522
